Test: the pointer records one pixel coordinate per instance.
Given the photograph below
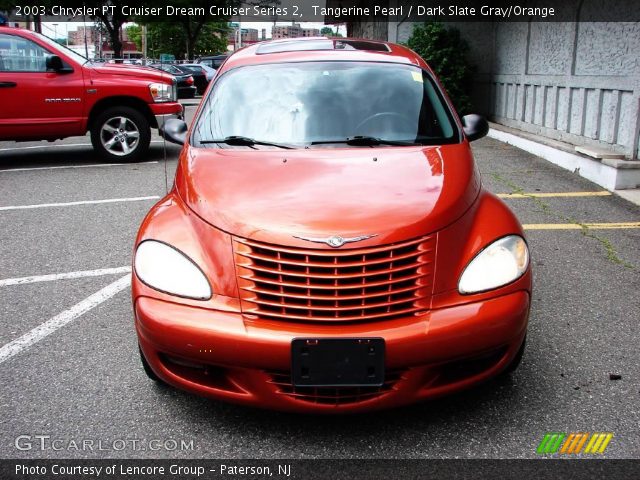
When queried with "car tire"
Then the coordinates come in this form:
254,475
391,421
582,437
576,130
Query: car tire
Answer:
147,368
515,363
121,134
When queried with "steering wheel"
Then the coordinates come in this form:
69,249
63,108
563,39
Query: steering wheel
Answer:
401,118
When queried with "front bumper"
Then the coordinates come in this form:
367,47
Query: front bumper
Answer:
225,356
165,111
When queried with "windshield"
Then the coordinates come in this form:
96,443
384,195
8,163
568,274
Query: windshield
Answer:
300,104
65,50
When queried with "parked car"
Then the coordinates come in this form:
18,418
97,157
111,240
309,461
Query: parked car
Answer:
213,61
209,71
185,81
327,245
202,74
48,92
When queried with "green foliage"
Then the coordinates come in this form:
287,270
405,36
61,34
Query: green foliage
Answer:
213,39
445,51
134,33
171,37
330,32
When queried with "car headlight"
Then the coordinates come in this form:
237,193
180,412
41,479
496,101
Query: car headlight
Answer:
502,262
161,92
168,270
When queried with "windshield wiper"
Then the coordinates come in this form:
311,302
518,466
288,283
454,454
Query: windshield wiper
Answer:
244,142
365,141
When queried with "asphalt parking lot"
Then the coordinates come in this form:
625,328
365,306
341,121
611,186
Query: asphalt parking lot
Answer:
69,366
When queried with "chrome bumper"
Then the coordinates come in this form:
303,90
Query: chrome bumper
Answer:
160,119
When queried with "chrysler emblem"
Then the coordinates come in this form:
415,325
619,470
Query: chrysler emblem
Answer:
336,241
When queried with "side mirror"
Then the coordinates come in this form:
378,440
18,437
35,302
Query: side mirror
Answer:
175,131
475,126
55,63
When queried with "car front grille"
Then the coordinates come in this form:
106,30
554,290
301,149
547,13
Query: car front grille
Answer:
347,285
333,395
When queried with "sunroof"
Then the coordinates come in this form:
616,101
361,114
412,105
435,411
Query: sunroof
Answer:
294,45
361,45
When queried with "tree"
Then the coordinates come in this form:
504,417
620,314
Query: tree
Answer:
445,51
330,32
213,39
194,25
112,23
134,34
188,33
170,37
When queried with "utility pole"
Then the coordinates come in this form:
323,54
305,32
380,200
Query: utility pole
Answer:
100,38
86,47
143,35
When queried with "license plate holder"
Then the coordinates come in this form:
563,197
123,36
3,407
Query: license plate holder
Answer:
337,362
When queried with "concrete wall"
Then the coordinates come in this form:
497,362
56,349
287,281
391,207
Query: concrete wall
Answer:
577,82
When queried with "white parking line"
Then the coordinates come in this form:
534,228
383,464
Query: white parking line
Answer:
61,167
47,328
58,145
64,276
84,202
32,147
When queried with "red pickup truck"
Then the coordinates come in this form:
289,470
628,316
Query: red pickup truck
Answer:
48,92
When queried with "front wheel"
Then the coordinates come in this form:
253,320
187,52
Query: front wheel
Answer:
121,134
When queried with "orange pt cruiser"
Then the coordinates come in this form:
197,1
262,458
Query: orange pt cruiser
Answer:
327,245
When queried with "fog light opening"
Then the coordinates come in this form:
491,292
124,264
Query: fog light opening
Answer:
186,363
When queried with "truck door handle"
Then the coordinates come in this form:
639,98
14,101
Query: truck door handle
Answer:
8,84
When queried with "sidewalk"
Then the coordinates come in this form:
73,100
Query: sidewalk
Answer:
619,176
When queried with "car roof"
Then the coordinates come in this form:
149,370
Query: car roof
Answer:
309,49
16,30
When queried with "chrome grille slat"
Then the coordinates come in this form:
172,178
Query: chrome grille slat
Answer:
330,285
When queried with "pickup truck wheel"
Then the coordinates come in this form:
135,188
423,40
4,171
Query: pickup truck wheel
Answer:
121,134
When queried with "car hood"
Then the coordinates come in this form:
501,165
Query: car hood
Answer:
130,71
275,196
